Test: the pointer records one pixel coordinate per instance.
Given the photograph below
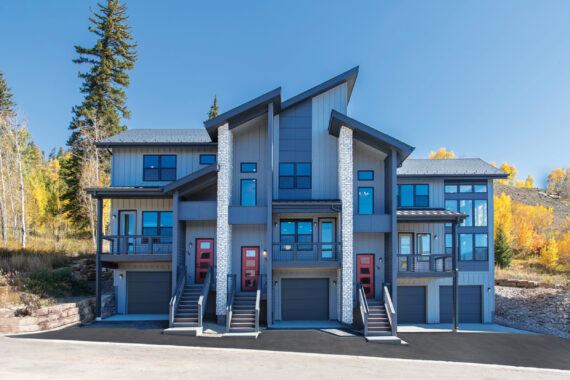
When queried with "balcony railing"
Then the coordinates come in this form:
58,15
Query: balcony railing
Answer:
137,245
307,252
424,263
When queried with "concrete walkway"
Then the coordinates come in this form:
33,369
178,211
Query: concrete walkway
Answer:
463,328
41,359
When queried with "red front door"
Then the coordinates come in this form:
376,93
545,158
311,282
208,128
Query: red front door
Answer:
249,268
365,273
204,258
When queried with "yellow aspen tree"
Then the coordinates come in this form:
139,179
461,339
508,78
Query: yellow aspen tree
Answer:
549,254
441,153
555,181
503,215
511,170
564,248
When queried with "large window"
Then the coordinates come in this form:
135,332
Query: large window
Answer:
480,212
365,200
248,192
296,232
471,246
466,246
159,168
295,175
413,195
157,223
466,207
207,159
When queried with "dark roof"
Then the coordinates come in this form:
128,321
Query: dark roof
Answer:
369,135
428,214
244,112
153,137
125,192
348,76
454,167
202,174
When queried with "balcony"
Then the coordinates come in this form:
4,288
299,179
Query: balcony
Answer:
133,248
306,255
425,265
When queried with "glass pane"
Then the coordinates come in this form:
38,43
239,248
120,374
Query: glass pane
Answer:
248,190
451,188
448,241
165,231
451,205
422,189
466,246
466,207
422,201
168,162
150,231
326,235
303,169
480,188
286,182
204,245
405,244
287,228
286,169
167,174
481,253
365,260
150,162
365,200
305,228
481,240
248,167
406,195
166,219
424,246
150,219
287,238
151,174
480,213
465,188
250,253
303,182
207,159
365,175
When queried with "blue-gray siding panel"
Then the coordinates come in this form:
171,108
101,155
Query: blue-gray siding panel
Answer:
470,304
411,304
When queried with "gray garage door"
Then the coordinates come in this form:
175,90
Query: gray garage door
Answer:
148,292
411,304
470,305
305,299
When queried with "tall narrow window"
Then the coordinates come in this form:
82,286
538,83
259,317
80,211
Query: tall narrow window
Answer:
466,246
406,197
480,212
481,247
421,198
424,244
248,192
159,168
448,244
365,200
466,207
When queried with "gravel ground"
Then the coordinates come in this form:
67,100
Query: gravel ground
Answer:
540,310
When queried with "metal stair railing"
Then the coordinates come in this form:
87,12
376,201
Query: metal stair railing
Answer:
363,306
230,300
390,310
175,300
258,299
203,300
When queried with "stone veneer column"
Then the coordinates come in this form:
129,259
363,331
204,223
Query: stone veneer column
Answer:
223,242
346,186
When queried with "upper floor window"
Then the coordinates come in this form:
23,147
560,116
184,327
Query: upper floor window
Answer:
473,247
295,175
476,210
296,232
248,167
452,189
413,195
365,200
248,192
207,159
366,175
159,168
157,223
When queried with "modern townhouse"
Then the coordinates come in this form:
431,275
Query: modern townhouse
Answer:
294,214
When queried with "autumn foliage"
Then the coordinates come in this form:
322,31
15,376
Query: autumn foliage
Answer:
441,154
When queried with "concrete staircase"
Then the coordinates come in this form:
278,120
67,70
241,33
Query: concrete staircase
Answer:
378,323
187,312
243,313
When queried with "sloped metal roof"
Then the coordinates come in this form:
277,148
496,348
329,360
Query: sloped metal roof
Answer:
454,167
158,137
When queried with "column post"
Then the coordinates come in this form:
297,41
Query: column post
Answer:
175,240
455,276
269,237
98,277
346,190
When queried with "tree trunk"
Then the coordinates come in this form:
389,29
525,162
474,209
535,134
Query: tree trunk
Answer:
22,190
3,201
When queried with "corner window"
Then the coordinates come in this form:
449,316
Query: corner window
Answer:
413,195
248,167
159,168
248,192
366,175
365,200
207,159
295,175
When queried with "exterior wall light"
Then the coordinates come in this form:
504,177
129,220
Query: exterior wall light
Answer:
265,253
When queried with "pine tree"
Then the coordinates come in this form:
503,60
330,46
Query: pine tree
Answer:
503,252
214,109
6,102
103,107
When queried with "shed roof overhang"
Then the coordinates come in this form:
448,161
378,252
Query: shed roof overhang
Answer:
369,135
126,192
193,182
244,112
429,215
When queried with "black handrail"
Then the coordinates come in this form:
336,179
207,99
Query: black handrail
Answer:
203,300
428,263
138,244
230,299
175,300
299,252
363,306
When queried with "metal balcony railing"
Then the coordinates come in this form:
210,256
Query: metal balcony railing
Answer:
424,263
137,245
306,252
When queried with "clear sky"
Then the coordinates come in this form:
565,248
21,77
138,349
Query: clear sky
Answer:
487,79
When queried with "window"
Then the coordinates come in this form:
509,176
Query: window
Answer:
466,246
413,195
473,247
296,232
481,247
423,245
157,223
450,189
466,207
448,244
366,175
248,167
365,200
159,168
248,192
465,188
480,188
207,159
450,205
480,212
295,176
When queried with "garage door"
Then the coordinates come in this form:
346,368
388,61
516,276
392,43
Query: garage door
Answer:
305,299
148,292
470,305
411,304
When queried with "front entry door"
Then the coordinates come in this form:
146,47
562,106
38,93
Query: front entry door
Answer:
126,228
365,273
204,258
249,268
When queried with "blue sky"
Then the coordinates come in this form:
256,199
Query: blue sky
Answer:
487,79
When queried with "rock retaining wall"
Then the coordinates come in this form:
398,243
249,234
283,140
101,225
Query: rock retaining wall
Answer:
528,284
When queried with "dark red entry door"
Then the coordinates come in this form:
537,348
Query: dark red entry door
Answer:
249,268
204,258
365,273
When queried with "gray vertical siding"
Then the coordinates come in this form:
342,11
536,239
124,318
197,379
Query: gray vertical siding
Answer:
276,156
371,243
437,231
198,230
325,146
138,205
368,158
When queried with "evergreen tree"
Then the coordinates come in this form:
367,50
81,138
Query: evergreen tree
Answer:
503,252
214,109
6,102
104,105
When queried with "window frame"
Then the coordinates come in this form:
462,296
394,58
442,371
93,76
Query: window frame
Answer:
159,168
204,155
365,171
241,193
296,176
168,238
296,234
414,195
241,170
371,197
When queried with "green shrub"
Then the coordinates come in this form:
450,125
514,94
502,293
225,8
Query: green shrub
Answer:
503,252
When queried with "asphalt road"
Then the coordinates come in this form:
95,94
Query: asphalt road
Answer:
525,350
